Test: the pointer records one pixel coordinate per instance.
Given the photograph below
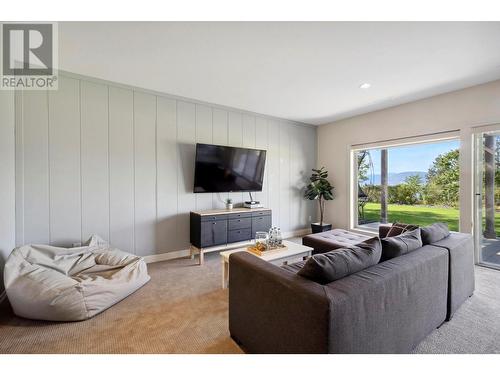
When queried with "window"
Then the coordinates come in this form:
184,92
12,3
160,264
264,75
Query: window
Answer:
413,183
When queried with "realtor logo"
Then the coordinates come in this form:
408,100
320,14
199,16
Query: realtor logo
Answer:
29,56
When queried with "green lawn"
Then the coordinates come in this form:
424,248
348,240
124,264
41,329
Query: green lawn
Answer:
420,215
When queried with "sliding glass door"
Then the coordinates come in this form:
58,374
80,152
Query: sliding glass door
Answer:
487,198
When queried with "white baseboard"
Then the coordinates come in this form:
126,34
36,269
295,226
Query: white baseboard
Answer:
166,256
297,233
186,252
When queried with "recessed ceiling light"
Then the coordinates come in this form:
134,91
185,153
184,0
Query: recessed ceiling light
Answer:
365,86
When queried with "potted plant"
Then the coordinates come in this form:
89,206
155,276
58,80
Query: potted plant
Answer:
229,203
319,189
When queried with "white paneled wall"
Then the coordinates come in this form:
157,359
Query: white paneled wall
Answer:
95,157
7,178
32,168
121,167
144,173
64,152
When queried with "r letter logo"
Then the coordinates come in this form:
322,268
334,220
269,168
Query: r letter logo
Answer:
29,56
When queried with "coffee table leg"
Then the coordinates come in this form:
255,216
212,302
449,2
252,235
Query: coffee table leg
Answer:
225,274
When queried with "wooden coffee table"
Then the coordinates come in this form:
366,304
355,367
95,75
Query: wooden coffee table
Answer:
294,253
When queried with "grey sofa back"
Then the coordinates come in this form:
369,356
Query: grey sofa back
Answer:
390,307
272,310
387,308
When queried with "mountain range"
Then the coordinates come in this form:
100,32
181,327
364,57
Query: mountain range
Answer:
398,178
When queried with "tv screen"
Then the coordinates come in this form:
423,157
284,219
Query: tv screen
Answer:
221,169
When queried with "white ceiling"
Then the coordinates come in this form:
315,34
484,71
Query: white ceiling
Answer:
309,72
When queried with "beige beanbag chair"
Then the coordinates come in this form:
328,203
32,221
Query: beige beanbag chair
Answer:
61,284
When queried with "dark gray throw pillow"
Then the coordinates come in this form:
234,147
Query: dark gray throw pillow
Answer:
393,247
434,233
336,264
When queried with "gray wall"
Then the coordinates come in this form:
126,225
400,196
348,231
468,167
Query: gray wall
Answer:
7,178
98,157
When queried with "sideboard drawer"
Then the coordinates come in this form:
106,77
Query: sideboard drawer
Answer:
240,223
239,215
213,217
261,213
239,235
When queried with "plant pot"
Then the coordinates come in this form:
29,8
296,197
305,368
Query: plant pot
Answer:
318,228
229,206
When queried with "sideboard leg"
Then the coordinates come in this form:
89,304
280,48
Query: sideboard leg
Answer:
202,258
191,252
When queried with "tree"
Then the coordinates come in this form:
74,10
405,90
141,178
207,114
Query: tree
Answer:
409,192
363,166
319,189
490,159
443,180
384,183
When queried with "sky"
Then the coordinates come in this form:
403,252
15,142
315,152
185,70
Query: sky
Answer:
414,158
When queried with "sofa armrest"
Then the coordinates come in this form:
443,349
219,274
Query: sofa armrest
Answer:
272,310
461,281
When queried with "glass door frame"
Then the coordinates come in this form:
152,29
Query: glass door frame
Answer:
477,192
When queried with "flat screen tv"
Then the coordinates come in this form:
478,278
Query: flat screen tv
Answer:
220,169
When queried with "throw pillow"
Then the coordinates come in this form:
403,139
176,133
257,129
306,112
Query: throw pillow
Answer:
400,228
336,264
434,232
398,245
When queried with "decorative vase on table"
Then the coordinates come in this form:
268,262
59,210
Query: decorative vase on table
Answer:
261,239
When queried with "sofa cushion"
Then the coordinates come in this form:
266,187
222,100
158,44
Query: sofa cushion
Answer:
294,267
333,239
393,247
434,233
336,264
399,228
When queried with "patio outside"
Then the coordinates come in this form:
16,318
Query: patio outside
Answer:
426,197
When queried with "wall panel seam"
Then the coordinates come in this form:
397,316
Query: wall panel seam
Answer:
48,167
81,170
156,160
177,165
133,165
109,170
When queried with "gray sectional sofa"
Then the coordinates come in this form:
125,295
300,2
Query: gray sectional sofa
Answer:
386,308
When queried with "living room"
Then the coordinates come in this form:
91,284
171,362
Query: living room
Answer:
249,187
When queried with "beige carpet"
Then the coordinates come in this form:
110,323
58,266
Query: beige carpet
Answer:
181,310
184,310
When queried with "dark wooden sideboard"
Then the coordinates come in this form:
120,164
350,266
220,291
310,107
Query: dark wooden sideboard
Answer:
214,230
